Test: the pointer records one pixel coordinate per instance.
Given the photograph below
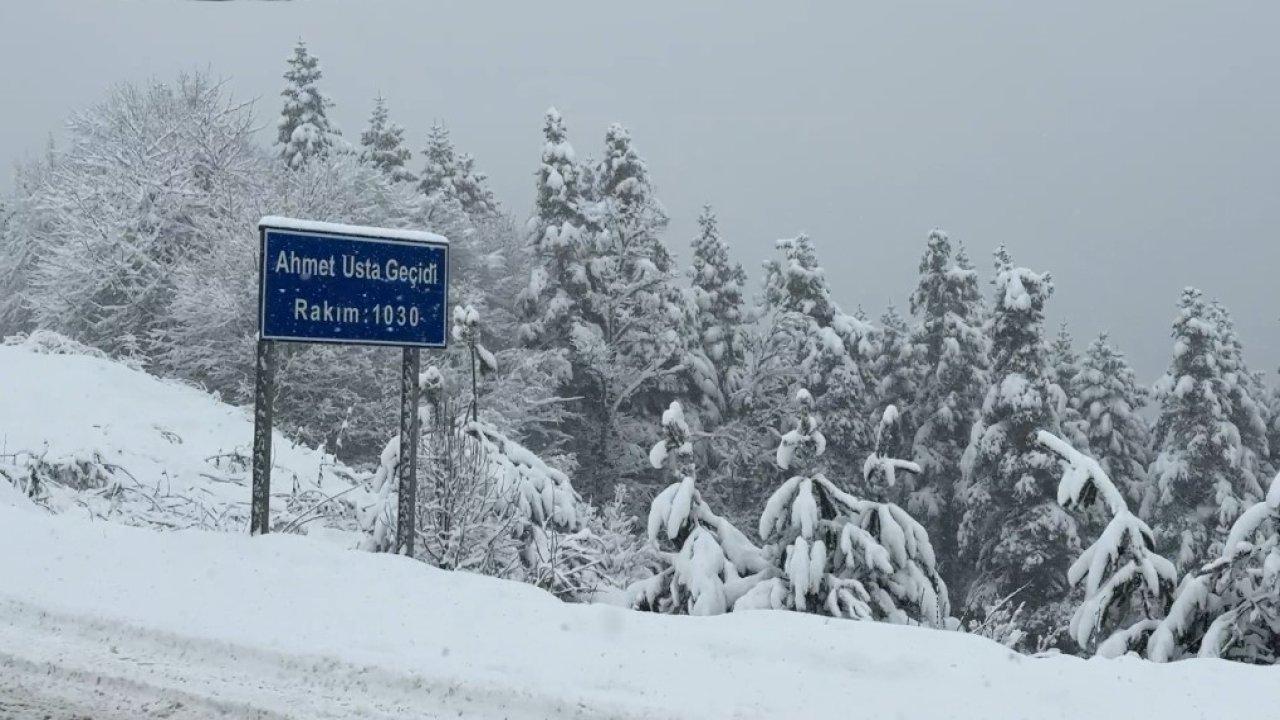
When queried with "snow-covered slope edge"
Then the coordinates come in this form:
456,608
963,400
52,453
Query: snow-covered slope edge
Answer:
178,455
293,625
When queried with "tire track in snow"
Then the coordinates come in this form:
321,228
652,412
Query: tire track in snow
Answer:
59,665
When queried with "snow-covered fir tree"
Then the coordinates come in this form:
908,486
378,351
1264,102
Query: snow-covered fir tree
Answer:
896,368
561,236
1246,404
1197,489
1111,401
706,556
304,130
454,175
1273,427
1064,368
1017,539
627,348
885,476
382,144
1230,607
837,554
951,349
718,312
1127,587
827,350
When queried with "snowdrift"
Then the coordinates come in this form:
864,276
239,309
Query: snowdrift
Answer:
294,625
178,455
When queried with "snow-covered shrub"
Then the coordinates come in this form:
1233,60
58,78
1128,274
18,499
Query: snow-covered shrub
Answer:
1230,607
1127,586
465,517
706,557
840,555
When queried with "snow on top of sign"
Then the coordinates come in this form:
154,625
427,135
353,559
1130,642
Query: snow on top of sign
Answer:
284,223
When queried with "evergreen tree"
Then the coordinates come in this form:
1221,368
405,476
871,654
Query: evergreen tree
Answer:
1273,429
304,130
1064,368
718,314
704,553
896,366
1018,540
1197,489
454,175
1110,401
629,350
1230,608
1127,587
473,191
828,351
951,349
1245,401
382,144
559,286
836,554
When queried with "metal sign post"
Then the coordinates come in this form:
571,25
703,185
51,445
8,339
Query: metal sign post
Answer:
407,493
264,392
328,283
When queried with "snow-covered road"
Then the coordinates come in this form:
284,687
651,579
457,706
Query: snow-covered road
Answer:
68,666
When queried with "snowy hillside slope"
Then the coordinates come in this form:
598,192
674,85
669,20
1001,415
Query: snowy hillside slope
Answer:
290,626
113,442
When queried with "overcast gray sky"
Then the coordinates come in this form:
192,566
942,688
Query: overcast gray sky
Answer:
1130,148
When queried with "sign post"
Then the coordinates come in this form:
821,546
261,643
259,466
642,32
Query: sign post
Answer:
346,284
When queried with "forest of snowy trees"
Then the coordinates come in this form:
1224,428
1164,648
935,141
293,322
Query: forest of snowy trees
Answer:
949,463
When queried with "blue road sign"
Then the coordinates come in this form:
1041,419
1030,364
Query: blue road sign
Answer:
327,283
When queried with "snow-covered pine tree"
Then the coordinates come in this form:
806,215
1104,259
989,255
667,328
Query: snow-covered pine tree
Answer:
896,368
1196,489
559,231
455,176
885,476
1110,401
304,130
1064,368
382,144
1015,536
828,350
1230,608
951,348
718,314
1245,400
1273,428
837,554
1127,587
628,351
704,553
473,191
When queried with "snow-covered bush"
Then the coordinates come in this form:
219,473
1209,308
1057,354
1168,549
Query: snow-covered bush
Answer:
840,555
1127,586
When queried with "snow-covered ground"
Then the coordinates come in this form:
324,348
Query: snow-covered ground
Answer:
94,612
103,620
178,456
